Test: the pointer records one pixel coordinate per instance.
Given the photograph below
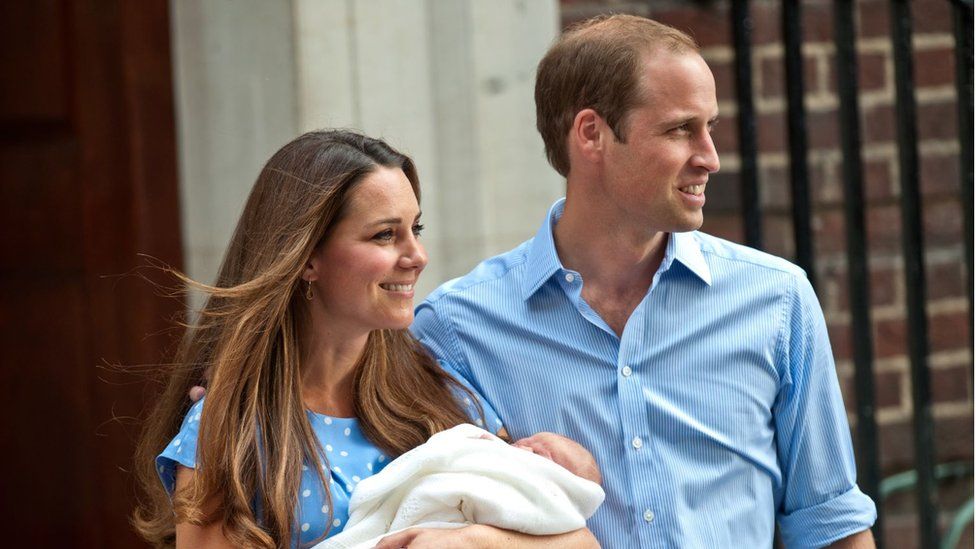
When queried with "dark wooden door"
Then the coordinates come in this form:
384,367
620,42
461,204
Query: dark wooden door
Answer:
87,182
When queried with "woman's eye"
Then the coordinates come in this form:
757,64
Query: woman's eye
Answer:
384,235
418,229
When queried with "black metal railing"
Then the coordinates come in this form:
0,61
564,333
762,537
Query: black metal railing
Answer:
845,39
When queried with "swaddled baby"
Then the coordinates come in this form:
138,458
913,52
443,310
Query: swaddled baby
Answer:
542,485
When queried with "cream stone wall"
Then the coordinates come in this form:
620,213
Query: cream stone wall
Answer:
447,81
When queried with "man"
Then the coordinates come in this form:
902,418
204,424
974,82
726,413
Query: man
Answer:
697,371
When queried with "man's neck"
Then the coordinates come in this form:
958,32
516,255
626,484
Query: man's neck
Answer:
607,253
616,262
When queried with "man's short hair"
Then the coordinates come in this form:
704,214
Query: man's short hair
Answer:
596,65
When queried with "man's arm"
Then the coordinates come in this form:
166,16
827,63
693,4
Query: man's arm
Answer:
860,540
820,497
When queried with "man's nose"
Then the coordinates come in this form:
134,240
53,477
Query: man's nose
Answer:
707,156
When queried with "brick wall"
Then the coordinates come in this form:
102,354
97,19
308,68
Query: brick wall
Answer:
948,309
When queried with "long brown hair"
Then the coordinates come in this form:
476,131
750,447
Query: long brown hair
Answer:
254,433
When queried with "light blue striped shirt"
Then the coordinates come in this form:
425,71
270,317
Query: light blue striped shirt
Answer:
717,412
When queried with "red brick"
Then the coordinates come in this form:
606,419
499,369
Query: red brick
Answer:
935,67
884,286
822,130
889,338
944,280
829,236
872,17
727,226
825,191
766,26
937,121
883,227
879,181
709,27
724,73
950,384
771,130
778,235
942,222
872,71
840,341
939,174
773,76
772,73
953,440
949,331
725,134
775,187
817,22
723,193
931,16
887,389
878,124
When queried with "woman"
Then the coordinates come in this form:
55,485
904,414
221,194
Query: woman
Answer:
314,381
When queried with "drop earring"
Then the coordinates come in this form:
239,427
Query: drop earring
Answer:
308,291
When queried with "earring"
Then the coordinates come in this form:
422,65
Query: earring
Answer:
308,291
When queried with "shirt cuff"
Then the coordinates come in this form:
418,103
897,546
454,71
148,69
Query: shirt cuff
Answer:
837,518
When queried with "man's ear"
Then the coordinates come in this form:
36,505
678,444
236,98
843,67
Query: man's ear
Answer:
588,135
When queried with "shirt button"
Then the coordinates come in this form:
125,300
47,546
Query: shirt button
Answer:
569,277
626,371
648,515
637,443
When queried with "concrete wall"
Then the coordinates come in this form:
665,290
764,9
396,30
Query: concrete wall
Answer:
447,81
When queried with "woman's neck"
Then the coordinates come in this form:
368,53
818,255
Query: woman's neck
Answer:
329,366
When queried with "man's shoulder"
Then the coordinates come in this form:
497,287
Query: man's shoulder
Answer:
495,273
718,250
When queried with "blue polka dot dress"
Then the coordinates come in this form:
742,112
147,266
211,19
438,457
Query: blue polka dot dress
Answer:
351,458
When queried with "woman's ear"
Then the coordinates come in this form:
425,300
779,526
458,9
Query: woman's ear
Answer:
311,271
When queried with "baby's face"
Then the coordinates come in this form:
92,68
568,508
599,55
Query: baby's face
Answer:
564,452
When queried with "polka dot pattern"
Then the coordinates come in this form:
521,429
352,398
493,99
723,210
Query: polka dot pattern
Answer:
349,459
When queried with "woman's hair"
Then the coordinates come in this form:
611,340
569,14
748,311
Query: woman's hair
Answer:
254,433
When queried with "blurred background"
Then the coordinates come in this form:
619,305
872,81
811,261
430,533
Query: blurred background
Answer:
131,128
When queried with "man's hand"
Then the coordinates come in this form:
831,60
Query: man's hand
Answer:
860,540
564,451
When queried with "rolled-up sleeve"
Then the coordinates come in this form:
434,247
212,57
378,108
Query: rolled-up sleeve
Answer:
818,501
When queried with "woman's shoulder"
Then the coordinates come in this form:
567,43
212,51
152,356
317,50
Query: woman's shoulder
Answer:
182,448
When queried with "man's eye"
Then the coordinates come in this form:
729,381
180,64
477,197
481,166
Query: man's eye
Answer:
418,229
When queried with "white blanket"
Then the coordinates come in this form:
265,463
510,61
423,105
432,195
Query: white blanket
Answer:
459,477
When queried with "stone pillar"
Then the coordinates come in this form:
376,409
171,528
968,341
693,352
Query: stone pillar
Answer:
449,82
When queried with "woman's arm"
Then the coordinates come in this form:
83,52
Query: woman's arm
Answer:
485,537
190,535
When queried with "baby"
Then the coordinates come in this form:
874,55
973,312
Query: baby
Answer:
564,451
465,476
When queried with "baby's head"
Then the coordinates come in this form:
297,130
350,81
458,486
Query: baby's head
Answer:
563,451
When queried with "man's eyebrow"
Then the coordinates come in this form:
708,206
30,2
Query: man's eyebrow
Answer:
680,119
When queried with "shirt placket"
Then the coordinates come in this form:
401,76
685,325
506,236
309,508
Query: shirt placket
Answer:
637,443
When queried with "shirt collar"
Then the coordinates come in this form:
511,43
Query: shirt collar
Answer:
686,249
543,261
